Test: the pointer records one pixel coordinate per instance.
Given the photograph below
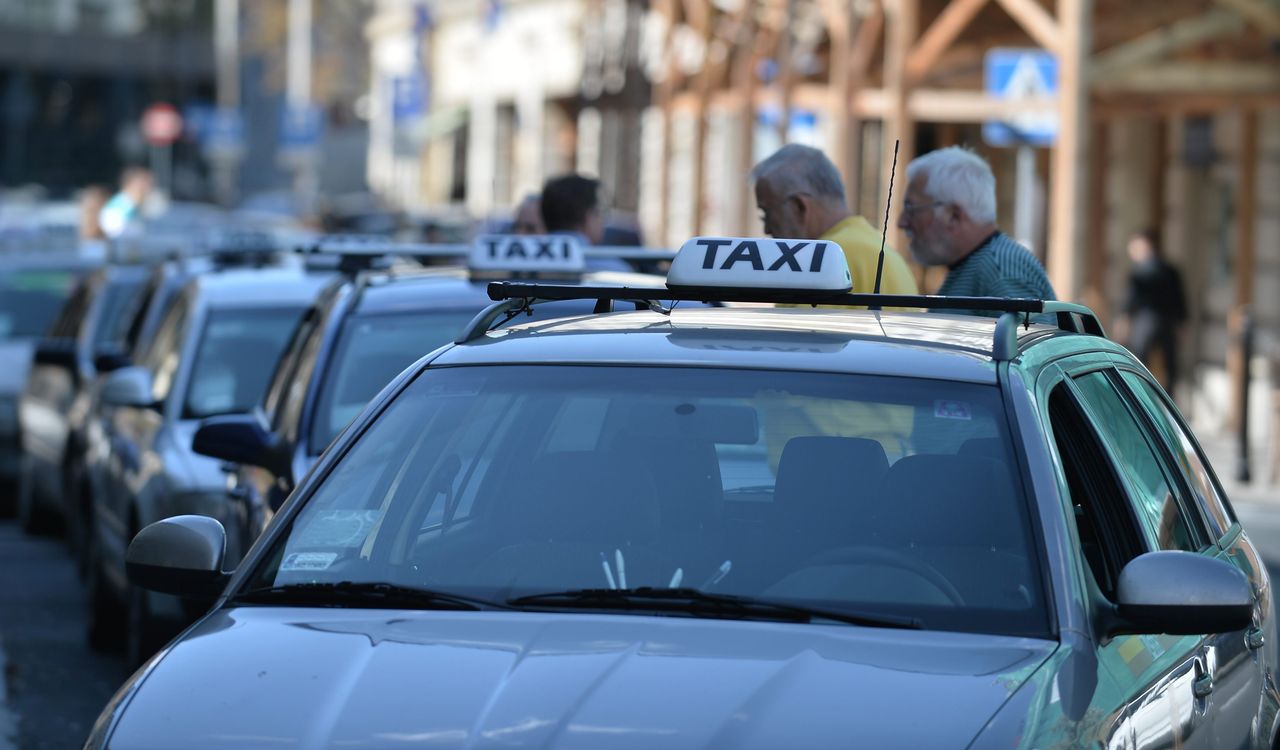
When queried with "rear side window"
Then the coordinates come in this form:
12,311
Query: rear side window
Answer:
1137,459
238,352
1195,469
30,300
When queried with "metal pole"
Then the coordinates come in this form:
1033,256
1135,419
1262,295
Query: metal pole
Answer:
1243,472
1024,208
298,91
227,50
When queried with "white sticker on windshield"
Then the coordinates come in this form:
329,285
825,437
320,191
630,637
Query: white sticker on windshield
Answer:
308,561
338,528
951,410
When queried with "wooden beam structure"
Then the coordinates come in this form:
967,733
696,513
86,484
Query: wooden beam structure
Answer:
1263,15
1212,24
1186,77
1066,215
1095,287
1247,211
1037,22
944,30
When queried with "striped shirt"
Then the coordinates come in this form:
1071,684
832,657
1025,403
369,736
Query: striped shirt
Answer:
1000,267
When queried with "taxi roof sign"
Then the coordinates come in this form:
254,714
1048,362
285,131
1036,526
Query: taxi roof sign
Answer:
514,252
816,266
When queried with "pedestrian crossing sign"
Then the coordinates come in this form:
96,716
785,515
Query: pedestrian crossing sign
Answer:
1022,74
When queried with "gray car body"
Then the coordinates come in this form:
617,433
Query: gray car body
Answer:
145,469
314,678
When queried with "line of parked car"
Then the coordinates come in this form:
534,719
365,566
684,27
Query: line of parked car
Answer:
203,380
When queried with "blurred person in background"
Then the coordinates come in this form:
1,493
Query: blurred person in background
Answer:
528,218
1155,308
949,215
801,196
572,204
125,207
93,241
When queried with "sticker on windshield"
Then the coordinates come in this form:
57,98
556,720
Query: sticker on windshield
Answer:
951,410
338,528
308,561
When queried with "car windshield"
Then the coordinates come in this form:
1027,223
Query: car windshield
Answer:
845,493
30,300
371,350
238,352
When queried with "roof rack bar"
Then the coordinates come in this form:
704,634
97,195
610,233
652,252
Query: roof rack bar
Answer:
484,320
356,244
513,290
1067,314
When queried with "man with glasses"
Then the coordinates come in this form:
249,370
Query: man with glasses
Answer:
800,196
949,216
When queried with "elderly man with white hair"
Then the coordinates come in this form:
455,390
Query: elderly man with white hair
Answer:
949,215
801,197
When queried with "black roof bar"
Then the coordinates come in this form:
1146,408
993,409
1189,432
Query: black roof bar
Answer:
514,296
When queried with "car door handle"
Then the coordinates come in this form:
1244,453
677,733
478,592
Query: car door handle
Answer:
1254,638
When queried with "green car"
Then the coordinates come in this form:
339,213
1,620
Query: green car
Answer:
748,527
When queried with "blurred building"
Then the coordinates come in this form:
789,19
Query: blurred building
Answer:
76,75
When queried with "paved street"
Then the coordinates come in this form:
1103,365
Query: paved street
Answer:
55,685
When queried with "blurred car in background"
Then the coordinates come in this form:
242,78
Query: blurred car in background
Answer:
85,339
32,291
213,353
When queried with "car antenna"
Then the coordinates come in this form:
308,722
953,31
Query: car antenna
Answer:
885,232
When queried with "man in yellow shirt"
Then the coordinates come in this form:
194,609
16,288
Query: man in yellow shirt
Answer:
801,196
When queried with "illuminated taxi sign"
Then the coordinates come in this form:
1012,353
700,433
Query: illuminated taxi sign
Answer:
760,263
528,252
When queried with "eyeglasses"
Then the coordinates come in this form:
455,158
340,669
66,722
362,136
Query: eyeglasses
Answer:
909,208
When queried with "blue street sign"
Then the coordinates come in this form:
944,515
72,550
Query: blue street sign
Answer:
195,120
223,136
301,127
1014,74
408,96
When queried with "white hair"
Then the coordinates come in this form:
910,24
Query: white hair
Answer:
957,175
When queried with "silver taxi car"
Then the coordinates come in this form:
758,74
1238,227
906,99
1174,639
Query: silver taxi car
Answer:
748,528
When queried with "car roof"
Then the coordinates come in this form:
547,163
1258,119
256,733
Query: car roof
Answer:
913,344
445,287
259,287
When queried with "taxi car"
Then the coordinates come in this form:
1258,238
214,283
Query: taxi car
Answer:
362,331
548,534
212,353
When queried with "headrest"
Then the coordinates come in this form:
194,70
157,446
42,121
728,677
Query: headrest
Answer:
591,496
950,500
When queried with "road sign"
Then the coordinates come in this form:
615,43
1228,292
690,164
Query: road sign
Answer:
1015,74
223,136
301,127
161,124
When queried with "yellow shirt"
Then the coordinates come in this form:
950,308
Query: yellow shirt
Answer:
787,416
861,244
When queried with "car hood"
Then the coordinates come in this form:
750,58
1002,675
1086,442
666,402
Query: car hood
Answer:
306,678
16,358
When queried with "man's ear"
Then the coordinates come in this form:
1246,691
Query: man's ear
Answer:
955,214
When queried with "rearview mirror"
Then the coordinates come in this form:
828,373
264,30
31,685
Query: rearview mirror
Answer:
1182,593
240,439
129,386
181,555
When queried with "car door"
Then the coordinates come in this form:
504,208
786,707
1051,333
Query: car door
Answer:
1175,673
1237,661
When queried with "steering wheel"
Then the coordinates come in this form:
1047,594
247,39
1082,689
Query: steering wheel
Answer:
891,558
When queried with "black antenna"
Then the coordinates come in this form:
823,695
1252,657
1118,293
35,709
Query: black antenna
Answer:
885,232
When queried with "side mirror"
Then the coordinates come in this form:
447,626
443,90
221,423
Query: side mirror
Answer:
240,439
129,386
181,555
1182,593
60,352
109,358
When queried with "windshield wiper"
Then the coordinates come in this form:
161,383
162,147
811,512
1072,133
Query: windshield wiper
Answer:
353,594
696,601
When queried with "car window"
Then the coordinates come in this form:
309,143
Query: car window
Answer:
370,351
501,480
237,353
289,410
1108,531
165,350
117,301
288,364
1191,462
1134,455
72,313
30,301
